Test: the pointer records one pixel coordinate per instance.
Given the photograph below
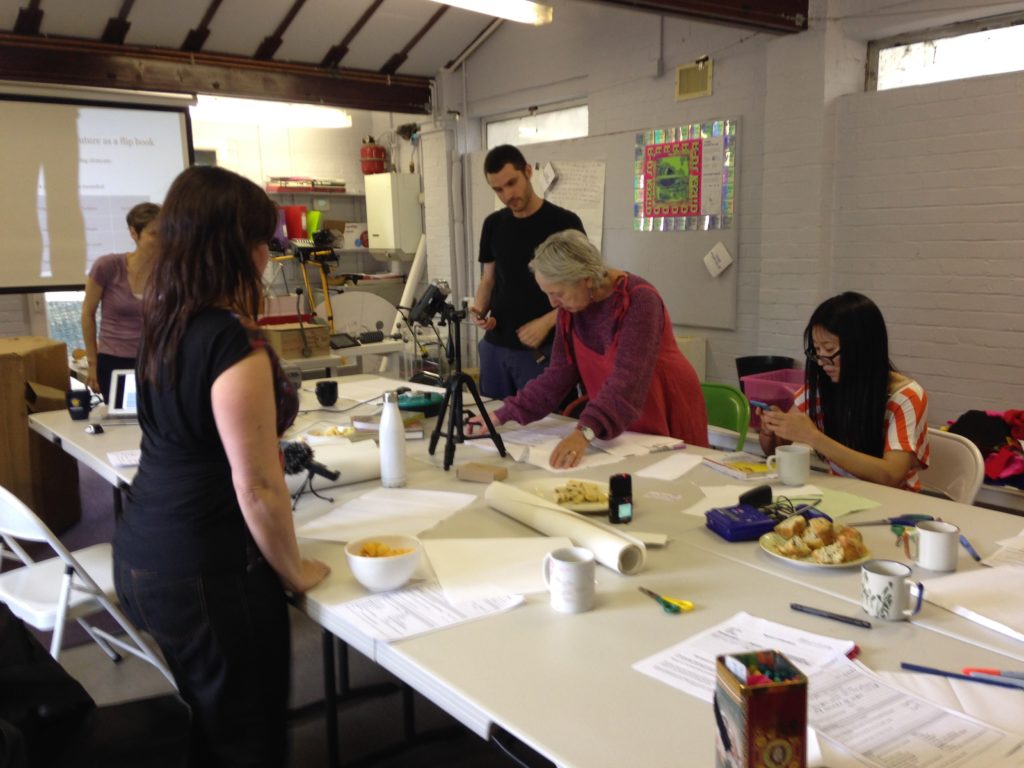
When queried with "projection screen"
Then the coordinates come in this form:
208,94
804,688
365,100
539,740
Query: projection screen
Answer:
72,171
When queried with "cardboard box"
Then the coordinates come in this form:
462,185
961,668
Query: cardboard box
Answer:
34,375
287,339
760,712
356,235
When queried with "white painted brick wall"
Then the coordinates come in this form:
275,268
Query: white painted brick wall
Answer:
14,315
929,221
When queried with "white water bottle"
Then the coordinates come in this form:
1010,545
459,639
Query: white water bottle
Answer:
392,444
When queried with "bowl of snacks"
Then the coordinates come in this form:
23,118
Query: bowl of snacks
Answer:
381,563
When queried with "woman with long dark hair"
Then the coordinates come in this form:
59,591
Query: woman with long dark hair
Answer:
856,410
206,547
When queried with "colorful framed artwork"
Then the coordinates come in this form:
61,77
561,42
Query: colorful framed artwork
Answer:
685,177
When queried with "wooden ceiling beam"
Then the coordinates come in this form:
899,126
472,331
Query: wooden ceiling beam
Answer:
270,44
30,19
769,15
73,62
337,52
391,65
117,26
196,38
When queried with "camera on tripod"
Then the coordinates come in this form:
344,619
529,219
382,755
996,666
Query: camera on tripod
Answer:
434,301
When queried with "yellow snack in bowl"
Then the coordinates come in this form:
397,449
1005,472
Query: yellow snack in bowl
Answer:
379,549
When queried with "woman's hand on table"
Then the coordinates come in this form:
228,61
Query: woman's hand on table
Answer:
475,425
311,573
569,452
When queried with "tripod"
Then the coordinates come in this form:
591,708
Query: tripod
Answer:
453,395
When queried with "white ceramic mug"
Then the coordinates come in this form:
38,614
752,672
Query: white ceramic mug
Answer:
885,590
934,544
792,462
569,574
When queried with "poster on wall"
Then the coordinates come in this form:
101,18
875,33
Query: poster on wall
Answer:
685,177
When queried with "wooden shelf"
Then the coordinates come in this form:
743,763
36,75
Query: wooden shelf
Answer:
316,193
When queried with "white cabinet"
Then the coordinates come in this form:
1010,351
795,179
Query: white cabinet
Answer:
393,211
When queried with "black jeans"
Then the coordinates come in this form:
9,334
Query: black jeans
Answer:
106,365
227,641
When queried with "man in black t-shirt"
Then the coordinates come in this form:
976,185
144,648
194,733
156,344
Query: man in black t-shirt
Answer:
508,304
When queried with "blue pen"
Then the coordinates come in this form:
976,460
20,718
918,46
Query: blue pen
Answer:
1005,679
970,550
955,675
759,404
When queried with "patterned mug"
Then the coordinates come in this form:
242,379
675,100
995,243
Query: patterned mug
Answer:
886,590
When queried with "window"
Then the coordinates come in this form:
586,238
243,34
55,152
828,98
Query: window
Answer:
64,317
536,127
970,49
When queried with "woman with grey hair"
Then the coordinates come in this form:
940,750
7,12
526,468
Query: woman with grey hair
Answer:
613,335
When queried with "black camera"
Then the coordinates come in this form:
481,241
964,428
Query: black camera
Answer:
430,303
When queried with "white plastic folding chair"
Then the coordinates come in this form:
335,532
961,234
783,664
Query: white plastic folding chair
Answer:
46,594
956,468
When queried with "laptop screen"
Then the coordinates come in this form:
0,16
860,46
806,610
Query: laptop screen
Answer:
122,393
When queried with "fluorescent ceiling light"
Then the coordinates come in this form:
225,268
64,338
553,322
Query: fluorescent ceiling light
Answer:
222,109
523,11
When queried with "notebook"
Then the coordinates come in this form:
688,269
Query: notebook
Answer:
122,403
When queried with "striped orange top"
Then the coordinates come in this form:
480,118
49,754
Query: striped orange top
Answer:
906,428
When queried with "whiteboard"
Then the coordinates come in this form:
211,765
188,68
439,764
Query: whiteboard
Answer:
672,261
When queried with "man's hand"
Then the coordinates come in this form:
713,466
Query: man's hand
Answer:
533,333
482,319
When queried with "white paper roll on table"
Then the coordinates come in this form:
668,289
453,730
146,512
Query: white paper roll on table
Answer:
613,548
355,461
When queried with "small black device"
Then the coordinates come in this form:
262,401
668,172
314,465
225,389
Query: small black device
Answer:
371,337
620,498
342,341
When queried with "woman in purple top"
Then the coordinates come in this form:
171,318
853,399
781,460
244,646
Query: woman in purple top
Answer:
614,335
116,282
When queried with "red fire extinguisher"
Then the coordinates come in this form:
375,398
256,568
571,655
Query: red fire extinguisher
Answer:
372,156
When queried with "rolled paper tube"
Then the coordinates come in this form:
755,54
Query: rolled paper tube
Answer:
612,548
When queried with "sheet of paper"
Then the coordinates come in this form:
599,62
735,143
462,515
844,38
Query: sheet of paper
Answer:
674,466
1000,707
540,456
364,389
690,665
885,726
987,596
1010,552
716,496
1017,542
638,444
385,511
414,611
1005,556
835,504
479,569
129,458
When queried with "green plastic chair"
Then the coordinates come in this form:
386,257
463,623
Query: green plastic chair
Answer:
729,408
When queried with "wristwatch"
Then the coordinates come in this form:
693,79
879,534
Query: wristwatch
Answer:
587,432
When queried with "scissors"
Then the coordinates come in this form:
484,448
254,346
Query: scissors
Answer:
668,604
